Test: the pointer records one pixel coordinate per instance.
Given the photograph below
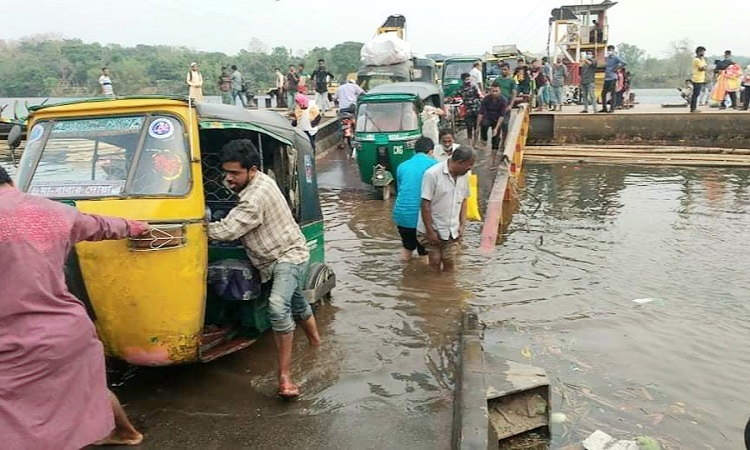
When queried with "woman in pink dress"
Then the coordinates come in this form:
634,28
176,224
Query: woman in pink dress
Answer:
53,389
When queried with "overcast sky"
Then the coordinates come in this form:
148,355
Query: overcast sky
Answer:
433,26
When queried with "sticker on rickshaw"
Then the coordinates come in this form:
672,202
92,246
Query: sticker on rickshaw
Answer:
398,150
308,169
168,165
36,133
161,128
62,189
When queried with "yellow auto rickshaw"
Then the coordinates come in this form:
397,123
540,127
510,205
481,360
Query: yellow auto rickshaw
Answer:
163,299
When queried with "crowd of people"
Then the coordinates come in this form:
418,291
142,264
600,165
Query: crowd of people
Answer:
717,85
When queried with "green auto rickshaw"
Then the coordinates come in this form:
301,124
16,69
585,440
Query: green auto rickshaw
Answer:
452,70
389,122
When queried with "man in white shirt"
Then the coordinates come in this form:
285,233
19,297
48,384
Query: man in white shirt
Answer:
442,216
347,95
444,150
106,83
475,75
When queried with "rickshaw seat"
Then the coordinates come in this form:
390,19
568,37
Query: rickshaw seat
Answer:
234,280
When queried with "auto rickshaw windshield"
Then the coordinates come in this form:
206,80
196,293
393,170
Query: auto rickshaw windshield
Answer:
387,117
453,70
106,157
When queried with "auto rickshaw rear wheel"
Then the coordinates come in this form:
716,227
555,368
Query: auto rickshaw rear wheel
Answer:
318,274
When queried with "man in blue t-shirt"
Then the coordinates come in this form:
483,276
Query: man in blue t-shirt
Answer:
409,196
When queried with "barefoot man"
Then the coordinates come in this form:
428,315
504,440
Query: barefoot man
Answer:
53,387
442,217
275,245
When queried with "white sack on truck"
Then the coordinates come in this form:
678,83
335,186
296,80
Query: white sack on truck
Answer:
385,49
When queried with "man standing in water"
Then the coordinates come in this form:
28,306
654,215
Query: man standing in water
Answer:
442,216
53,386
408,200
275,245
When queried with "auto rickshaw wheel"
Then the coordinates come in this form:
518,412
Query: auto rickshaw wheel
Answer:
318,275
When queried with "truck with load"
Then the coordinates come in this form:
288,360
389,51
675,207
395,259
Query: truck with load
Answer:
388,58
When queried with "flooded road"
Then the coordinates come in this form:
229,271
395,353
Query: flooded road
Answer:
628,284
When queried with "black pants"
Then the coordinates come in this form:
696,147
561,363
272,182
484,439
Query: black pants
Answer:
470,119
732,98
697,88
746,103
484,127
609,88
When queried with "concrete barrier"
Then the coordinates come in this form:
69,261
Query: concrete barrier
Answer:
710,129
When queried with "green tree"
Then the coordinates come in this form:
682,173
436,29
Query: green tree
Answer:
632,54
345,58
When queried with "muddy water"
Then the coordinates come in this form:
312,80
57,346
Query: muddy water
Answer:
630,286
558,293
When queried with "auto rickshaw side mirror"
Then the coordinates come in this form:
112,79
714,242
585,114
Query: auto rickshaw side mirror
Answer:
14,137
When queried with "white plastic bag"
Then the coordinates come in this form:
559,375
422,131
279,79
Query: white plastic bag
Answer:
385,49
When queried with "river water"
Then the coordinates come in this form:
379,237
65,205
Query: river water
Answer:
625,283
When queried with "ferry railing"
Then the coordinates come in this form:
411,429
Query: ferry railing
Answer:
508,171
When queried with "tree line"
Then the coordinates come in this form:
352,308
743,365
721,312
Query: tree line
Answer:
49,66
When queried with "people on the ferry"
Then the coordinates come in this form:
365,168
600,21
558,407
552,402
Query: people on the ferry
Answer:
444,149
522,74
442,215
620,88
491,116
746,88
195,83
471,101
238,83
539,73
727,76
105,82
290,86
321,77
697,77
409,199
306,116
559,77
275,245
225,86
53,383
611,63
588,75
476,76
686,91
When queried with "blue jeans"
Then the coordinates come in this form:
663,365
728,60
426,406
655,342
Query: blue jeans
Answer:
287,304
558,95
588,96
235,95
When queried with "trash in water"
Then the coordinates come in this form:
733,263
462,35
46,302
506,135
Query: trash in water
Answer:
526,353
557,417
642,301
600,440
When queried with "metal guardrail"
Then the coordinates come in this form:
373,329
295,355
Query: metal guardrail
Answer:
508,170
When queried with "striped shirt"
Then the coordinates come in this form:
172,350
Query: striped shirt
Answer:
264,222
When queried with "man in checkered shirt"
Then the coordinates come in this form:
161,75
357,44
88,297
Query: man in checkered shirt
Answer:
275,245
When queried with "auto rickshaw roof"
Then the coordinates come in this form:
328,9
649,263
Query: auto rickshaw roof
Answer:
210,115
447,61
219,115
419,89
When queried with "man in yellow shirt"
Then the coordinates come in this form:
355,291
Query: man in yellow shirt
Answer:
699,76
